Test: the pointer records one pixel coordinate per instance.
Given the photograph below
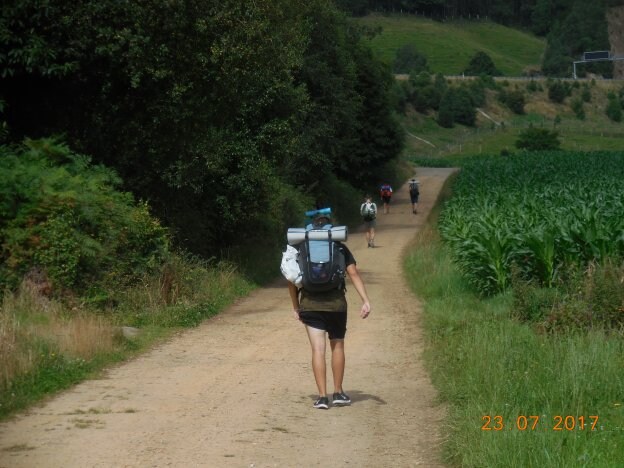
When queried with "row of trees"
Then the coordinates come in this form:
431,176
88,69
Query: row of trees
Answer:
570,26
227,117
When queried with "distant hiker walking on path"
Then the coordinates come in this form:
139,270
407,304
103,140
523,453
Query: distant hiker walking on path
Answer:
368,210
414,191
385,191
325,313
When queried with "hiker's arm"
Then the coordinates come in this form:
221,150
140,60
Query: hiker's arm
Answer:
356,279
294,297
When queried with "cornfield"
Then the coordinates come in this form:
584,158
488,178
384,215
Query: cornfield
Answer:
536,213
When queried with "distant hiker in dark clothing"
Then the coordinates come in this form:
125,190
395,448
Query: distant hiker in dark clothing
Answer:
385,191
414,192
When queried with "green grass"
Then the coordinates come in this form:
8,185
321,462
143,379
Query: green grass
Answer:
463,141
483,364
449,46
49,345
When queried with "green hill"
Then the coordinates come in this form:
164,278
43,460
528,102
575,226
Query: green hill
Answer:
449,46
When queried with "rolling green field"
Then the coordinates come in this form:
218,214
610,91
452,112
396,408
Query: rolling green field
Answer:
449,46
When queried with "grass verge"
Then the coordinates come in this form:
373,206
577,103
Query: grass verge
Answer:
515,397
47,345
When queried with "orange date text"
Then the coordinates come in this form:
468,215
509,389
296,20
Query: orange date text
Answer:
539,423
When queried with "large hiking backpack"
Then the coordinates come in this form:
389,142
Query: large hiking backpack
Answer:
321,259
368,211
413,187
386,191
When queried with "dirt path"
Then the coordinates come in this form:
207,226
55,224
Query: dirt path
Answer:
238,390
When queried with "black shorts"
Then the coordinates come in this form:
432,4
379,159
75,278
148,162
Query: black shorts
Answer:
334,323
386,199
414,197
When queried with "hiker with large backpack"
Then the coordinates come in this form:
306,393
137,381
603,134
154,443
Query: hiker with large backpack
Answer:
385,191
318,298
368,210
414,191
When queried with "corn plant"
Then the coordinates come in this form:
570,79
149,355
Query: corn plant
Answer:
538,212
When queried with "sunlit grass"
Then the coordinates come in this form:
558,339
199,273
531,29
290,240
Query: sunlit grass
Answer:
485,364
47,345
450,45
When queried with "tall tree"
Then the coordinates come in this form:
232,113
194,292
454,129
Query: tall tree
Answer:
209,109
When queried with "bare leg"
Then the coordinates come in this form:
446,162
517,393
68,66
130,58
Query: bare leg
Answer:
338,363
372,236
317,341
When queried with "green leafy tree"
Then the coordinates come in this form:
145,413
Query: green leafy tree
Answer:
476,90
542,16
537,139
401,92
556,61
482,64
578,27
409,60
425,95
513,99
558,91
456,106
208,109
464,109
440,84
446,113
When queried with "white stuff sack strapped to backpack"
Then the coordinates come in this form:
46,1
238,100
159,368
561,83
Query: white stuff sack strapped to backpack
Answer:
290,266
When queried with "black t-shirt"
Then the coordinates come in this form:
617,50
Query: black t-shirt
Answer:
327,301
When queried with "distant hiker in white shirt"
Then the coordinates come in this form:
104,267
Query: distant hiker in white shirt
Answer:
368,210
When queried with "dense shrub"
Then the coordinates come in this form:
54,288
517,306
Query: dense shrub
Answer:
513,99
426,93
536,139
60,214
558,91
456,106
399,95
589,298
446,114
482,64
476,90
465,112
409,60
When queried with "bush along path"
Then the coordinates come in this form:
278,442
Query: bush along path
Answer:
238,389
